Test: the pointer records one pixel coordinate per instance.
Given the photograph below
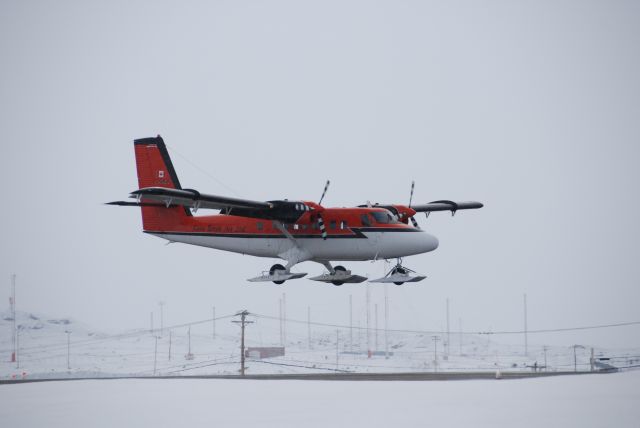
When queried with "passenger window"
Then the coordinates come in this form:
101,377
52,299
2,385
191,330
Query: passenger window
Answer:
343,224
332,224
260,225
295,226
365,220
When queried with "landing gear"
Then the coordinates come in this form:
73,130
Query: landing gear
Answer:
398,269
277,274
339,269
338,275
276,270
400,274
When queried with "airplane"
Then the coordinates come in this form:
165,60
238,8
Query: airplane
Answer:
294,231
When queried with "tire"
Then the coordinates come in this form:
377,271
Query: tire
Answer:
341,269
273,269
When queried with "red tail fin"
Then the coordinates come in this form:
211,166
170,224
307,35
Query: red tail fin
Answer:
156,170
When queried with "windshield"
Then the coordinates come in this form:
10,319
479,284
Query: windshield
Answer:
383,217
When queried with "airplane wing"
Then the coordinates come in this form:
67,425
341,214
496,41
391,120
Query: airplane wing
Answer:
445,205
190,198
284,211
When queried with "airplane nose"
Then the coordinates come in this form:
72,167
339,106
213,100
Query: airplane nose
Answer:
430,242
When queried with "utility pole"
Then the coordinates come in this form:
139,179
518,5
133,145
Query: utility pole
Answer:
284,319
18,347
68,350
544,348
155,355
448,342
375,349
337,348
386,323
161,303
526,344
14,336
169,345
368,316
309,324
460,329
189,355
280,320
151,315
350,323
243,320
214,322
592,360
575,358
435,352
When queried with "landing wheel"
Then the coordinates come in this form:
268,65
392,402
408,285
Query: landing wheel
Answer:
341,269
274,268
400,270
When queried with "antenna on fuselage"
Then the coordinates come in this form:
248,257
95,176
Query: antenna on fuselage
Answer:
324,192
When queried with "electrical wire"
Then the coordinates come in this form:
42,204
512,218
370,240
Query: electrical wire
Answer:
499,332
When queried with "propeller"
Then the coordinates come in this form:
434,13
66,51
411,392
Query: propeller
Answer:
324,192
323,230
413,220
413,185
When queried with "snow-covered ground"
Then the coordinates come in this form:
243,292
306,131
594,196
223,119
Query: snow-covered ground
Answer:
593,400
43,350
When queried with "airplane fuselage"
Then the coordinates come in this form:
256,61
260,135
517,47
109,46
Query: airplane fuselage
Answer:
352,234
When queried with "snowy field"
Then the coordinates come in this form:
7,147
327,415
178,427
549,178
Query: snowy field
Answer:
595,400
43,351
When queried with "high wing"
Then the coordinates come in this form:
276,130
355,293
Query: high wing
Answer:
191,199
445,205
284,211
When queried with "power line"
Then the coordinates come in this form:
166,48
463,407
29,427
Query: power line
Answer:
305,367
141,332
551,330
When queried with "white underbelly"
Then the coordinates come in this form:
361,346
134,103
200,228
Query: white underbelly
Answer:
376,245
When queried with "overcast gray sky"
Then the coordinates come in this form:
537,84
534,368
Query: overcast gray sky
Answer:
532,108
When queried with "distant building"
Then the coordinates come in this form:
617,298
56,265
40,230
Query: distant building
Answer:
260,352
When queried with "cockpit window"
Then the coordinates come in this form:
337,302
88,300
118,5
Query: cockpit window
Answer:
365,220
383,217
380,217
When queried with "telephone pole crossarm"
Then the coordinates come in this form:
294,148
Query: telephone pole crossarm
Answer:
243,321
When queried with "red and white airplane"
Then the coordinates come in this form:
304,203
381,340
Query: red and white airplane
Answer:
294,231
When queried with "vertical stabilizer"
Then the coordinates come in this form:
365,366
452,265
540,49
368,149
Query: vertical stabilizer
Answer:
155,169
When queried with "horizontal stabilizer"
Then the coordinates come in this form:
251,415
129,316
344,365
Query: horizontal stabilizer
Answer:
136,204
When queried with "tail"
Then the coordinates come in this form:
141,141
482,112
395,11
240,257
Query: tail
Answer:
156,170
